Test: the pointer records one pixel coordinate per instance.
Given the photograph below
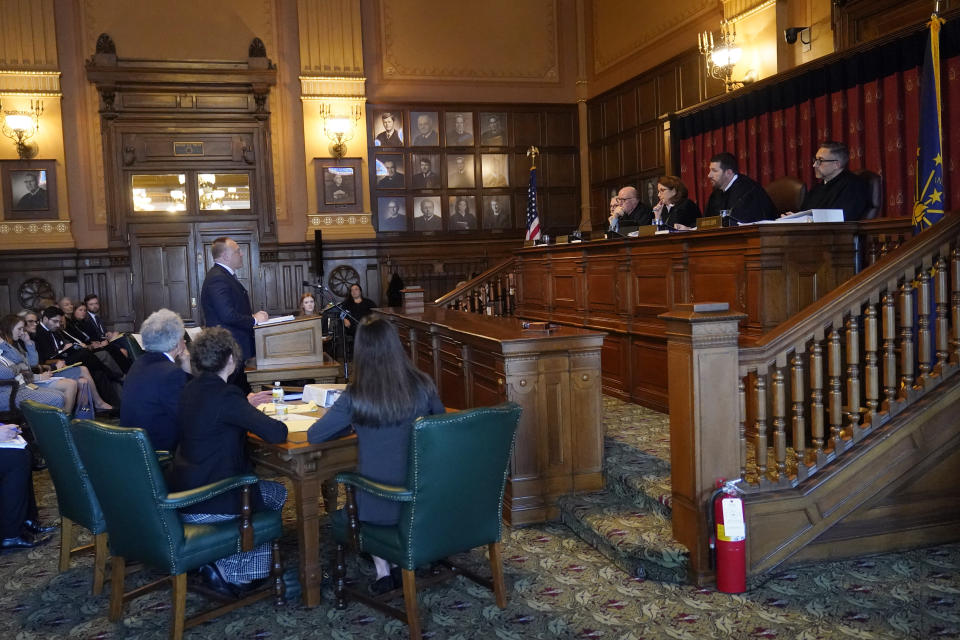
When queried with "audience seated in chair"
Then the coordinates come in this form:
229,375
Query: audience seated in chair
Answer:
214,418
20,526
144,525
450,502
151,390
386,394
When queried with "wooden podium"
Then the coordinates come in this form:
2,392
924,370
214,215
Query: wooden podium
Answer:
291,350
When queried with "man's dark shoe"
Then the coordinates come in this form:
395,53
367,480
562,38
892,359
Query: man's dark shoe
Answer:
381,586
20,542
36,528
214,580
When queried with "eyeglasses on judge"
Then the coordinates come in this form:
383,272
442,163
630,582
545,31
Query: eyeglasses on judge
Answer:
819,161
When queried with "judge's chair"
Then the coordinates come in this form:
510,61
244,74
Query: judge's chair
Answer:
144,524
874,193
787,194
76,499
451,502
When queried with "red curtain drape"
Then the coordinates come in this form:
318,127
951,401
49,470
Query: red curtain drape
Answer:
877,119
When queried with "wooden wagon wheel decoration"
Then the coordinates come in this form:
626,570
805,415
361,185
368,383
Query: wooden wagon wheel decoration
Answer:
34,292
342,278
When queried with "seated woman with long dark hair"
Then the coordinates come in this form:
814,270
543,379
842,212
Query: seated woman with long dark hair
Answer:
385,396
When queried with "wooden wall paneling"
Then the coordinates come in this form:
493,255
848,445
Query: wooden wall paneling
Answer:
564,211
615,364
453,387
560,129
651,156
594,122
647,101
648,368
628,109
690,85
598,171
667,90
599,207
527,129
611,116
486,378
586,406
612,166
561,169
631,153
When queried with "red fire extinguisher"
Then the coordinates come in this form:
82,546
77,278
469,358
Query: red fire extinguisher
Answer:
728,537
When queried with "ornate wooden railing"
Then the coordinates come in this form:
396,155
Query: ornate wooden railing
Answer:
818,384
492,293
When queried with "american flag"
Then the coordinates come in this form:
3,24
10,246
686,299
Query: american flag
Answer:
533,219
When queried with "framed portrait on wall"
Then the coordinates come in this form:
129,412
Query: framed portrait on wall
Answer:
462,213
426,214
338,185
427,133
459,130
387,128
426,171
389,171
494,170
460,171
496,212
391,214
29,189
648,191
493,129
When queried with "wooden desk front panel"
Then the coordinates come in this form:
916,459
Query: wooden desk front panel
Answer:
555,377
769,272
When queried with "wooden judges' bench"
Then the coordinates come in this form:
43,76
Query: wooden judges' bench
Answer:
769,272
554,375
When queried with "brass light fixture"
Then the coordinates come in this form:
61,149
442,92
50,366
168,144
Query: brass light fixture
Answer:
20,126
339,129
721,57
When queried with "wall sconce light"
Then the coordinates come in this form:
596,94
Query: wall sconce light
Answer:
339,129
721,57
20,126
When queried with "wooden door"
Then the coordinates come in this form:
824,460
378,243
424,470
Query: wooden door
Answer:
162,257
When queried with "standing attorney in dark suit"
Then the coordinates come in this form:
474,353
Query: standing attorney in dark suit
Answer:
151,391
225,303
744,198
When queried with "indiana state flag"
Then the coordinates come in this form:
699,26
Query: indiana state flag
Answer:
930,197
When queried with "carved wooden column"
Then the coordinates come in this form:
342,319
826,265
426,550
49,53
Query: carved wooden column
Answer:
702,366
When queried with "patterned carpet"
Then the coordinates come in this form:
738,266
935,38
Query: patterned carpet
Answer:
559,587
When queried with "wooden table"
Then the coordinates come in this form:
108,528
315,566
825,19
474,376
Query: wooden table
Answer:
309,467
324,371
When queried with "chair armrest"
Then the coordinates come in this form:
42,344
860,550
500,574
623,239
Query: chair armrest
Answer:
182,499
396,494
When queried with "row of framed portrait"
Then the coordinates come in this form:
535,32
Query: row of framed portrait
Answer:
438,171
400,128
428,213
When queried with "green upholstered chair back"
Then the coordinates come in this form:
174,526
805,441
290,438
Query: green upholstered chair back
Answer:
129,483
75,495
457,472
131,344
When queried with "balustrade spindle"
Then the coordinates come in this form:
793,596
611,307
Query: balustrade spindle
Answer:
871,373
942,326
955,303
924,339
889,318
761,425
835,397
780,422
907,347
799,423
816,398
853,373
742,428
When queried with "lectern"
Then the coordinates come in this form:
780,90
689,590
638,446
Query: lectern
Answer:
298,341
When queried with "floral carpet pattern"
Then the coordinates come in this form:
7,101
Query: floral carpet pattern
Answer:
558,587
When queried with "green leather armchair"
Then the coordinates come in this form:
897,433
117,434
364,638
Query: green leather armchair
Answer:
76,499
452,502
144,524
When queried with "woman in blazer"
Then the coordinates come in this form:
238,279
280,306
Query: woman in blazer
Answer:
675,210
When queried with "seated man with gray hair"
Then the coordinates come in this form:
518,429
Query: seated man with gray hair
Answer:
151,391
